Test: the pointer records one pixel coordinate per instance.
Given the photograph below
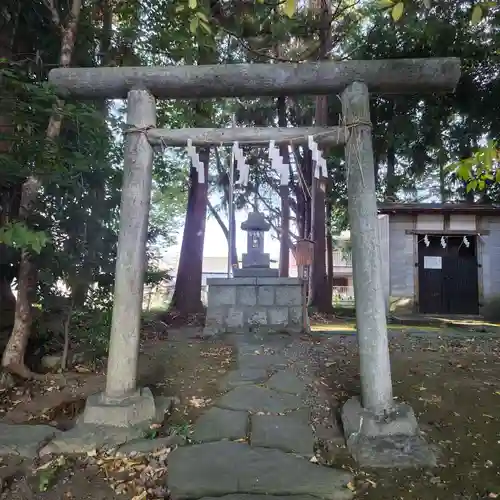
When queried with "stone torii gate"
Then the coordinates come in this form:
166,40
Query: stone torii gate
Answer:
123,403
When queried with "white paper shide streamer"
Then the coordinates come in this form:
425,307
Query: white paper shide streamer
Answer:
241,163
278,164
320,162
195,159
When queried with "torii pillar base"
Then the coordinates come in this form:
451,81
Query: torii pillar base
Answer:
385,441
135,410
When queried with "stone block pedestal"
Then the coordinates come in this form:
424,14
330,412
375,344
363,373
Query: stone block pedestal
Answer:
138,409
257,304
389,440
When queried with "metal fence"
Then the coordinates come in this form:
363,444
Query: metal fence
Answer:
343,295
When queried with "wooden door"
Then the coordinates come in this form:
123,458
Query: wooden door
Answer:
448,277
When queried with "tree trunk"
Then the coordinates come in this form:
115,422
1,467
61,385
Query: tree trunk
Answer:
13,356
187,293
319,280
284,194
390,192
329,250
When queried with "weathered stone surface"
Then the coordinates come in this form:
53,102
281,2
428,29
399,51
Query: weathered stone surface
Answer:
244,376
392,440
296,315
265,295
252,305
235,318
85,437
289,295
255,399
224,467
217,424
244,496
257,316
391,451
357,420
278,316
216,315
279,282
289,433
145,446
263,361
224,295
137,409
24,440
286,381
246,296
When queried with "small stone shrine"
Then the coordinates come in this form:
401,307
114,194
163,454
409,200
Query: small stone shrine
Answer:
255,262
256,299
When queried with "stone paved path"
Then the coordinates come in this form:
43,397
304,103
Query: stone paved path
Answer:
256,439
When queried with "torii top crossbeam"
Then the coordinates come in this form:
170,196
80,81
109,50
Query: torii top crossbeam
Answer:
392,76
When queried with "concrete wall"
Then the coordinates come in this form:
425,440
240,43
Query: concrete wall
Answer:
264,304
489,257
401,257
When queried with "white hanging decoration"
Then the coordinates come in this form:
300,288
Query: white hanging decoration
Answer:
278,164
241,163
320,162
195,159
466,242
426,241
443,241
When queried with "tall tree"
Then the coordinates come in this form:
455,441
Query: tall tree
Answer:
321,293
13,356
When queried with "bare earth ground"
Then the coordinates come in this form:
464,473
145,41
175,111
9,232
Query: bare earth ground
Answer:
451,381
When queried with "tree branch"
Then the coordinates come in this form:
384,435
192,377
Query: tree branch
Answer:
56,19
218,218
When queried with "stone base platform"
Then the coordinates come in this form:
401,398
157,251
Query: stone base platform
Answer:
263,304
135,410
392,440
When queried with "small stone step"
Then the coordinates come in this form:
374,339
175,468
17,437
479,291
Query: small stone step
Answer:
289,433
255,399
86,437
24,440
217,424
226,468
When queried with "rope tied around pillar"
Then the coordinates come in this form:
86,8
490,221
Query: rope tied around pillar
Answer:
357,122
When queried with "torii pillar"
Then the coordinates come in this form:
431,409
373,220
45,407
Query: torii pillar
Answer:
122,403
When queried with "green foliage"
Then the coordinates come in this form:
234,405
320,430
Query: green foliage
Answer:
477,13
18,235
479,170
92,328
